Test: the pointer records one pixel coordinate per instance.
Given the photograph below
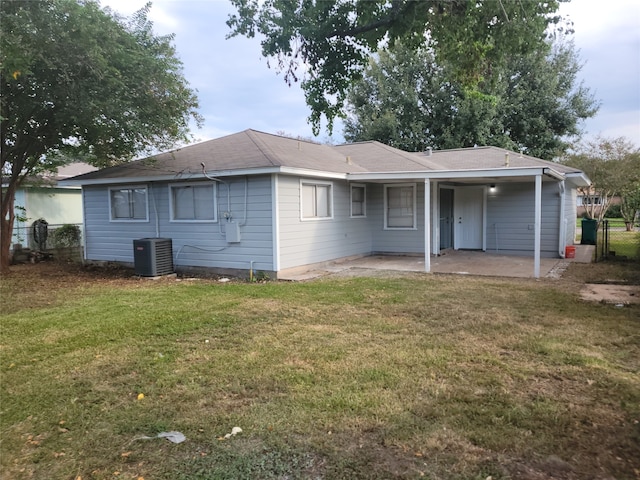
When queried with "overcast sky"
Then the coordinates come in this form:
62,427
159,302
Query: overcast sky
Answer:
237,90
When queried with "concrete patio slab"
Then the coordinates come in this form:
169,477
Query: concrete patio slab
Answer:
453,262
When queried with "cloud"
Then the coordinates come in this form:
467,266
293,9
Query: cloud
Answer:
237,90
613,124
163,22
596,22
608,37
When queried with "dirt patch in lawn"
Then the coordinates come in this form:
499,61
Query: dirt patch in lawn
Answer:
611,293
48,283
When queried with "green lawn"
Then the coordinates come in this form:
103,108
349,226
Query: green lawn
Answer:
421,376
621,242
625,244
613,222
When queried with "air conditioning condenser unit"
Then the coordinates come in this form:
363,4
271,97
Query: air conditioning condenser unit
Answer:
153,257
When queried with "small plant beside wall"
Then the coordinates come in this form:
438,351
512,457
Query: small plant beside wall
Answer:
66,242
20,218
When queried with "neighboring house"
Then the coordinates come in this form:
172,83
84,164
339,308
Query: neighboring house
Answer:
590,200
260,202
43,197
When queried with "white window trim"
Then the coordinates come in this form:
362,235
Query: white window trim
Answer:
172,218
364,200
130,220
415,205
316,182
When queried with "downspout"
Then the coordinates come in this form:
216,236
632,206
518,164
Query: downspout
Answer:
246,199
563,221
228,214
155,209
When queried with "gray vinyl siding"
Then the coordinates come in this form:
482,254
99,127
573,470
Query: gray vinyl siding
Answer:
509,225
194,244
510,219
304,242
396,241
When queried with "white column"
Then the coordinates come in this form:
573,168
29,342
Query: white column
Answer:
427,226
435,219
537,227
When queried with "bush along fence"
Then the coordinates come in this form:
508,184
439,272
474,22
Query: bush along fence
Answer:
615,242
42,240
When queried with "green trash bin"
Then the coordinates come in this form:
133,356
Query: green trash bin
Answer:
589,231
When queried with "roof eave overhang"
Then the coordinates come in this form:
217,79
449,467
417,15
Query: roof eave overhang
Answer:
458,174
579,179
201,176
59,185
490,173
305,172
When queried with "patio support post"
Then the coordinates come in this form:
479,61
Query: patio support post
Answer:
537,223
427,226
435,219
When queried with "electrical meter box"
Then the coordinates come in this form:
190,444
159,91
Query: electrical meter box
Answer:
232,230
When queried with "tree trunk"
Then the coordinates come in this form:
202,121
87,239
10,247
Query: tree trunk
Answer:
7,216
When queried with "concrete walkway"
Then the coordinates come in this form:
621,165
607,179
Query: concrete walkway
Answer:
454,262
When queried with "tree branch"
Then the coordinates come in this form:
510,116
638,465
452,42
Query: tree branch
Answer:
395,12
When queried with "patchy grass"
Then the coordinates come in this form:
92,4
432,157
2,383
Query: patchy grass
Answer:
624,273
419,376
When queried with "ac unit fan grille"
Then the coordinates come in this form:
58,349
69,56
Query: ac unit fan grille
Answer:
153,256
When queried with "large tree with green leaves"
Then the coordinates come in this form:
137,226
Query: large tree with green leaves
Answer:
630,204
80,82
532,103
328,43
613,165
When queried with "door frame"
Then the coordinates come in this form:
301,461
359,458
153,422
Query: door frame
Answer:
482,194
453,199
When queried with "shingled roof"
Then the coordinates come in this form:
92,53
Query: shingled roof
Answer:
489,157
251,150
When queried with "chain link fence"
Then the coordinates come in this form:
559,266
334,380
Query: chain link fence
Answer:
617,241
62,241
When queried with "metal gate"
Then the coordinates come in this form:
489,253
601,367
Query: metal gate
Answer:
602,246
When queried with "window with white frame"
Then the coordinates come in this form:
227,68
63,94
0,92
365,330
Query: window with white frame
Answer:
193,202
358,200
316,199
128,203
400,206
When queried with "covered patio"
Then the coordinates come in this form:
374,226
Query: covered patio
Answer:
450,262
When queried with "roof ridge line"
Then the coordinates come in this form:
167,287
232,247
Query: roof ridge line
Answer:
263,147
411,156
287,137
443,150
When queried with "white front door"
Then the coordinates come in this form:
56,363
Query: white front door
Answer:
468,217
